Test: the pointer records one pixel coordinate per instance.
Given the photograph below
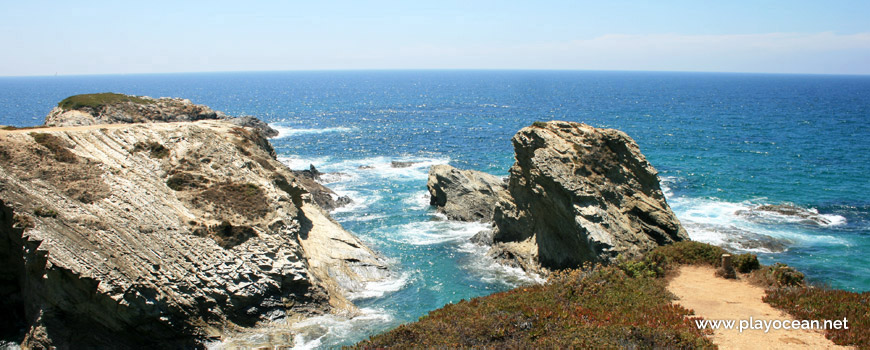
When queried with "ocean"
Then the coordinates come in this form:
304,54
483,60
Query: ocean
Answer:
722,143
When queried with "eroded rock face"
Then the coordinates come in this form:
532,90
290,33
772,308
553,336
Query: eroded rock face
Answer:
580,194
163,234
465,195
143,109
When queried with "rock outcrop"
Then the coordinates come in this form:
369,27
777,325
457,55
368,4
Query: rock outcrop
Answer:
325,197
579,194
162,234
111,108
465,195
786,212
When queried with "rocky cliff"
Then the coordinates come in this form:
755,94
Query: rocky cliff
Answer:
464,195
162,235
576,194
580,194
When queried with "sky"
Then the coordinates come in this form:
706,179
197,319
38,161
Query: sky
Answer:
120,37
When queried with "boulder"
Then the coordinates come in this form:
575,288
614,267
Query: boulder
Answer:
580,194
465,195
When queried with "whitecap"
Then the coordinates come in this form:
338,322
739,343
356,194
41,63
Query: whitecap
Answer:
490,270
436,231
377,289
286,131
418,200
299,163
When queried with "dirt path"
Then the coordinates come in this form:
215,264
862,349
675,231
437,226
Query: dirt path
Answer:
717,298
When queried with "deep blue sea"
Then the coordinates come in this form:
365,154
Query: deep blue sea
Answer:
723,143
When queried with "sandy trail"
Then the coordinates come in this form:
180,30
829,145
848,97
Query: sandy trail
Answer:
715,298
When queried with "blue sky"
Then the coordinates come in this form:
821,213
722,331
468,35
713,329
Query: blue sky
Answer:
105,37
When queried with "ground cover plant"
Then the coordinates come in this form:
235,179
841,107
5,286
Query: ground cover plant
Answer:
625,305
94,101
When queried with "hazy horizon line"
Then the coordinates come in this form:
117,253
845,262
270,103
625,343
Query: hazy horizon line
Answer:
433,70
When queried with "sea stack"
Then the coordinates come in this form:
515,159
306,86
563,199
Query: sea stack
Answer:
580,194
575,194
161,234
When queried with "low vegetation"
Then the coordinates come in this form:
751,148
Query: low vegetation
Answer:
95,101
808,303
625,305
45,212
226,234
155,149
55,145
601,308
245,199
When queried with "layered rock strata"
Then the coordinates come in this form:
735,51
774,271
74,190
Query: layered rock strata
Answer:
576,194
162,235
580,194
465,195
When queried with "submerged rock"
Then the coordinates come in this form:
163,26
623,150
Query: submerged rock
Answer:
400,164
112,108
465,195
580,194
786,212
162,235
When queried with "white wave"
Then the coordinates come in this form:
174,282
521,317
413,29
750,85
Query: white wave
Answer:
437,231
491,271
377,289
286,131
382,167
715,222
665,184
417,200
299,163
328,330
359,200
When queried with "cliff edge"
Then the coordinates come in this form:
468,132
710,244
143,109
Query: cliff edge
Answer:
163,235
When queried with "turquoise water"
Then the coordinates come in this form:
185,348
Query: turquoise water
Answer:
722,143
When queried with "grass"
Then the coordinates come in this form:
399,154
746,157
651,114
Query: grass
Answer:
625,305
95,101
55,145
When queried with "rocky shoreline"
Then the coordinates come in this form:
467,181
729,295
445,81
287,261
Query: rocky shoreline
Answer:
163,228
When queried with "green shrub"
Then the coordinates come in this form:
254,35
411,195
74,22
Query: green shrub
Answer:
686,253
746,263
827,304
777,276
641,268
539,124
95,101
